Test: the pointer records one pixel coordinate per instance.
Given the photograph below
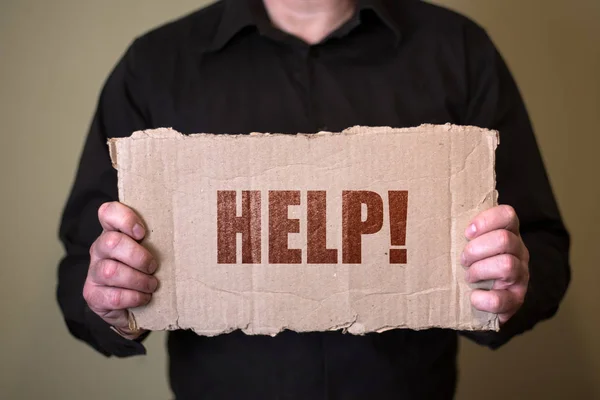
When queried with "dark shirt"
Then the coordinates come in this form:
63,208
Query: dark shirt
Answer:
226,69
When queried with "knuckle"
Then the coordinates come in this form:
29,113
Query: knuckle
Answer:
507,265
115,298
504,238
521,291
108,269
87,293
111,239
92,297
494,302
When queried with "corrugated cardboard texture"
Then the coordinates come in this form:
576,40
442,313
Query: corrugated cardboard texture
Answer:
321,248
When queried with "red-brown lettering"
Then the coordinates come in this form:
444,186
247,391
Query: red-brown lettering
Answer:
317,251
398,202
353,227
280,226
229,225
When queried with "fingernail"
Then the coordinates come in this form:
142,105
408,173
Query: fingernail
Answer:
153,266
472,230
138,231
154,285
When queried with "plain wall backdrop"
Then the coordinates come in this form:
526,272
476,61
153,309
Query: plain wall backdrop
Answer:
54,58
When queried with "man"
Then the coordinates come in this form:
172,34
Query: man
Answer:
303,66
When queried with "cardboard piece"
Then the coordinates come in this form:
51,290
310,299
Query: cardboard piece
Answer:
360,230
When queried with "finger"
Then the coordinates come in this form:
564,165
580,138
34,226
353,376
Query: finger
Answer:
115,216
108,272
118,318
496,301
491,244
500,217
102,299
118,246
503,267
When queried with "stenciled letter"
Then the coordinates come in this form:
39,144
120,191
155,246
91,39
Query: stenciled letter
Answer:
353,227
280,226
317,251
229,225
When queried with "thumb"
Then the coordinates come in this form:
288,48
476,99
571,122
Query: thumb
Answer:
123,322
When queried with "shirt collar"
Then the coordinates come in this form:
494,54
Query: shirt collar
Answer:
240,14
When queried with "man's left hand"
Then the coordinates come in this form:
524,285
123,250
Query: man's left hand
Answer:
496,252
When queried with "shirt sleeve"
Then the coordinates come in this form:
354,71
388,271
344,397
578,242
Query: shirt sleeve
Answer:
118,114
495,102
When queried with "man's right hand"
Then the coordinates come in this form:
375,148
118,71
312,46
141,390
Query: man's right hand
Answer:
120,272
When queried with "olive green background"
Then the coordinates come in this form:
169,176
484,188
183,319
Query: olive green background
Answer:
54,57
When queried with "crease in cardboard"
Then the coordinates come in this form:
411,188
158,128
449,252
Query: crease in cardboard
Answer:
451,232
174,275
373,159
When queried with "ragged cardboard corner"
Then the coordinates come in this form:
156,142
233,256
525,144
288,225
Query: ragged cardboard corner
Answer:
360,230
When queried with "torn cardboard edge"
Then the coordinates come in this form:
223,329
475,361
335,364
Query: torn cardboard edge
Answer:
145,183
170,133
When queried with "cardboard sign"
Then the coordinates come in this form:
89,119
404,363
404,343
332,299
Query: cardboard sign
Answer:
360,230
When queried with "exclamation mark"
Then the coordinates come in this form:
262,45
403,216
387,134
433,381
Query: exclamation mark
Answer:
398,201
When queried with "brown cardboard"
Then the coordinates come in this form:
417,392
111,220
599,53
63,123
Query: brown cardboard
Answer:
321,248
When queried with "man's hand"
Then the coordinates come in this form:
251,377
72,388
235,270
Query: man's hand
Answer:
120,272
496,252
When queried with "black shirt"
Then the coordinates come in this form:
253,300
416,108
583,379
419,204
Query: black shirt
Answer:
226,69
